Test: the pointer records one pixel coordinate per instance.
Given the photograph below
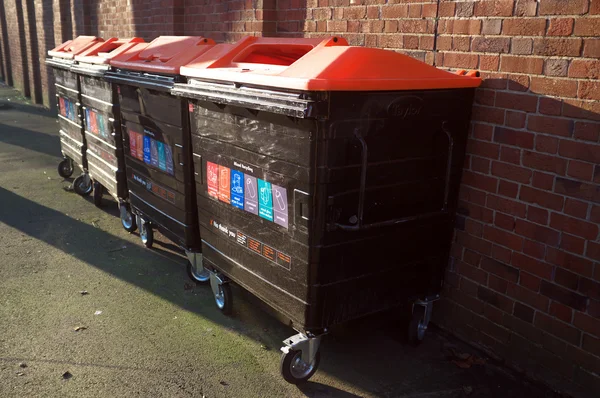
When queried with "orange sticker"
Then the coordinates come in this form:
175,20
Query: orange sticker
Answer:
224,183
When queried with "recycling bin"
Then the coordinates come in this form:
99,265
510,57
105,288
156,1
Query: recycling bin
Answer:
68,101
102,123
327,180
156,138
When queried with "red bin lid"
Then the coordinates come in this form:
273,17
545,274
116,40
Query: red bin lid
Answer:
71,48
102,52
164,54
320,65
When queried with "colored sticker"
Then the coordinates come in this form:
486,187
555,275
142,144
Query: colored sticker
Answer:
237,189
224,183
94,125
250,194
153,153
265,200
133,143
147,149
162,164
212,179
101,126
280,206
169,159
140,146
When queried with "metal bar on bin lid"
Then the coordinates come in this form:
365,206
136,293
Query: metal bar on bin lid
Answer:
330,65
163,55
102,52
71,48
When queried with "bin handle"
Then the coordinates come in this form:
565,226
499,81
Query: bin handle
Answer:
360,225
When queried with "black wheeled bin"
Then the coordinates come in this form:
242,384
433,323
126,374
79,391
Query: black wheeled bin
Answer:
156,139
102,123
68,102
327,179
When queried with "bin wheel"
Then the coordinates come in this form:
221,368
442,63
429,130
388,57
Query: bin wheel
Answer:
82,185
417,327
224,298
146,234
98,188
294,370
65,168
198,277
128,219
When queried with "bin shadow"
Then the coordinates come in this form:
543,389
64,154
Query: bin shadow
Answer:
46,144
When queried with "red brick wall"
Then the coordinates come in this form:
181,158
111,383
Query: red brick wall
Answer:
524,278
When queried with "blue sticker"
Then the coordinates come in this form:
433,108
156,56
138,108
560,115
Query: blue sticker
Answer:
153,153
237,189
162,163
147,149
169,158
265,200
87,120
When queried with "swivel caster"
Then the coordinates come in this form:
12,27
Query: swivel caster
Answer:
300,359
82,185
421,315
65,168
195,268
146,233
127,219
222,292
98,188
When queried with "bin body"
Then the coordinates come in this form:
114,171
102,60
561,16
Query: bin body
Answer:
333,203
68,97
156,139
102,117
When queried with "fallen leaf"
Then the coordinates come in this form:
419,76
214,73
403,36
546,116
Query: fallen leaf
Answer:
20,374
78,328
224,383
67,375
23,365
98,312
83,292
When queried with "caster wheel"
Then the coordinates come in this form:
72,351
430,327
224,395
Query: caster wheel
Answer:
294,370
65,168
224,298
128,219
82,185
98,188
146,234
198,277
416,328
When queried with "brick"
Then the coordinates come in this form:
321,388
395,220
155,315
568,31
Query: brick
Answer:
476,212
502,270
496,81
497,284
414,10
522,102
480,165
587,69
471,195
528,297
550,106
500,8
517,64
526,8
557,67
579,150
506,205
595,10
474,243
503,238
587,131
506,136
532,265
589,90
537,215
394,11
464,26
543,181
355,12
558,87
581,109
530,281
337,26
511,172
491,44
464,9
495,299
595,216
561,312
572,244
546,144
507,188
447,9
489,62
586,361
574,226
581,170
587,323
460,60
560,27
576,208
591,48
577,189
484,149
521,46
566,279
472,258
485,97
524,27
501,254
557,328
461,43
594,308
543,162
511,155
593,250
587,27
429,10
471,272
559,7
589,288
591,344
491,27
557,47
493,314
542,198
523,312
537,232
569,261
515,120
518,83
